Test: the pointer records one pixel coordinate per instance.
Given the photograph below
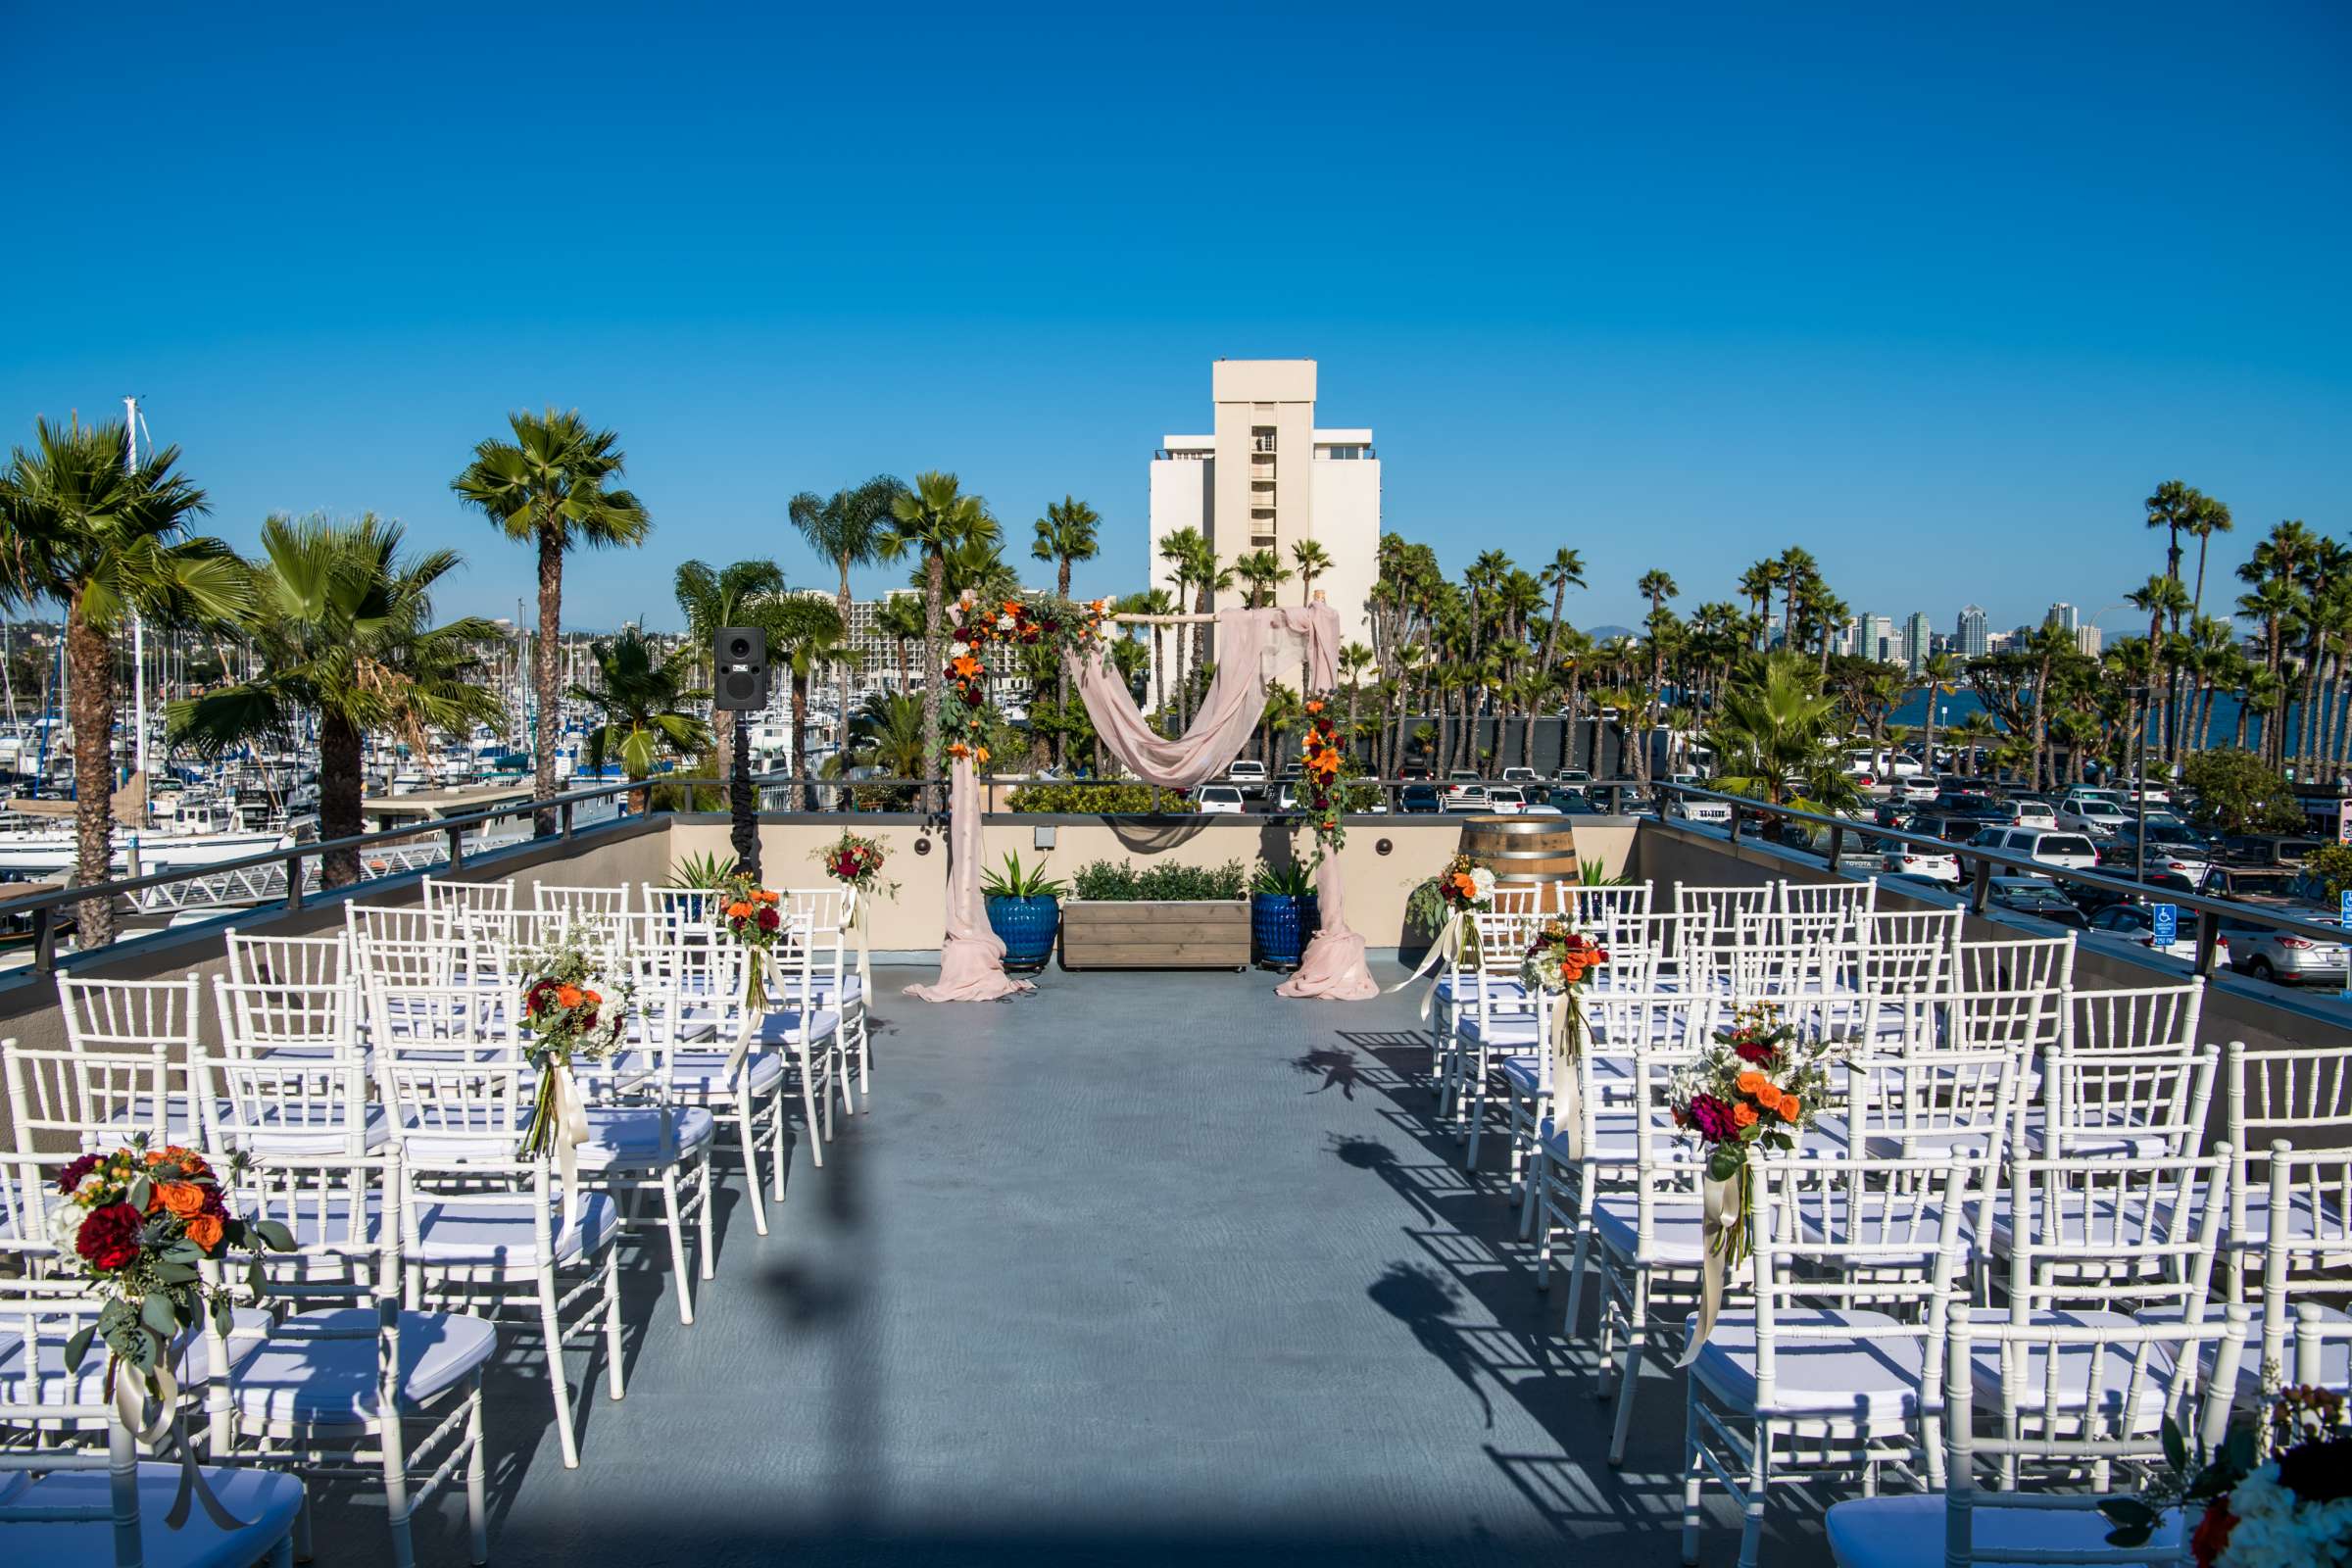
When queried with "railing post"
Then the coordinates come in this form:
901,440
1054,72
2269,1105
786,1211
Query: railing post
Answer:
1836,848
44,938
1735,823
294,881
457,849
1979,893
2209,941
567,816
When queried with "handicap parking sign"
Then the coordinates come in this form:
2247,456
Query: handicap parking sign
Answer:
2168,923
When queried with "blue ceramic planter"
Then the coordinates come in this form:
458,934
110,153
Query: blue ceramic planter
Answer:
1026,927
1279,926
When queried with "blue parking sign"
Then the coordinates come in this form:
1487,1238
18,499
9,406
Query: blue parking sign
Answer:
2343,917
2168,923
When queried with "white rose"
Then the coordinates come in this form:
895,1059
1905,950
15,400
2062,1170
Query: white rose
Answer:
1003,623
958,649
1484,881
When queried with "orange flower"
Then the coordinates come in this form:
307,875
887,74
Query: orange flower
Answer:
966,666
1791,1107
1753,1083
568,996
764,896
959,749
1463,885
592,997
1314,707
1744,1114
1013,606
182,1198
980,755
1768,1096
1326,764
204,1230
739,910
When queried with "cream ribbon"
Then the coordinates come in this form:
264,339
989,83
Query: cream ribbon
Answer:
1721,1219
865,973
131,1405
1567,1086
572,1131
752,1017
1442,951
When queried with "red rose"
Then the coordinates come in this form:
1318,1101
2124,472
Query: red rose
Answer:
2212,1535
768,919
74,1175
109,1238
1749,1051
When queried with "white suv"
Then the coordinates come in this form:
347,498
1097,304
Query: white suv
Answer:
2071,852
1248,775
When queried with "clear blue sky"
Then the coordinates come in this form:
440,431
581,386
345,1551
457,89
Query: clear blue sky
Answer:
1938,292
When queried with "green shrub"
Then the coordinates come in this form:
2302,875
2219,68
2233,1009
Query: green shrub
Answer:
1110,881
2237,793
2331,863
1288,881
1017,882
1066,798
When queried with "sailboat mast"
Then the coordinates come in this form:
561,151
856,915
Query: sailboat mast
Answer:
138,626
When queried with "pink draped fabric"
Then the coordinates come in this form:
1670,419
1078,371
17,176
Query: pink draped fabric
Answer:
1333,968
971,962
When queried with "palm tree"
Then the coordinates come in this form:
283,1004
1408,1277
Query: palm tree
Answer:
339,625
933,518
86,523
1774,729
901,619
1355,661
1067,534
640,700
845,528
888,734
1755,586
2210,517
2171,508
548,487
1313,562
1937,670
1155,602
1263,571
805,635
732,596
1973,733
1565,570
1181,549
1656,586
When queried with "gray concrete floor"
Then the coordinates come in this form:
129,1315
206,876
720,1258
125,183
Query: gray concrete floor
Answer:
1139,1268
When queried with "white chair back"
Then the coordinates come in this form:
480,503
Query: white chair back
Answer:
288,961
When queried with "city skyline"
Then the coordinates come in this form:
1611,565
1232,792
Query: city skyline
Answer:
802,297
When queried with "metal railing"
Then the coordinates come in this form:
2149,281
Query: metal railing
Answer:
1978,868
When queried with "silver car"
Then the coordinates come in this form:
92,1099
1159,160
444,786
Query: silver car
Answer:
2267,953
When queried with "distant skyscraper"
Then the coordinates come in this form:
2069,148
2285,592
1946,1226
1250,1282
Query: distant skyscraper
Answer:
1973,632
2063,616
1878,639
2088,639
1917,641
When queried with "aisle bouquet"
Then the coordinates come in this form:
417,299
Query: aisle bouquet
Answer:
748,913
2276,1493
1560,962
855,861
1321,786
569,1021
138,1223
1446,903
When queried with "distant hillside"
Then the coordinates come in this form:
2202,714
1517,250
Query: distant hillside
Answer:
1602,634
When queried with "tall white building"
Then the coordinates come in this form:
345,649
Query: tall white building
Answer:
1879,640
1918,641
2063,616
1973,632
1265,478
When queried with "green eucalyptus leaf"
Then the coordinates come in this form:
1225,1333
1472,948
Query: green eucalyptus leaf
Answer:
171,1273
222,1318
79,1346
160,1316
274,1235
141,1190
2176,1447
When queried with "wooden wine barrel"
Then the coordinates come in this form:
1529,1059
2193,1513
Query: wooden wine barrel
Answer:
1522,850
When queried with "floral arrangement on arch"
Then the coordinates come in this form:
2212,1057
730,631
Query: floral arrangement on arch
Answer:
139,1223
1758,1087
569,1021
1322,780
1046,622
855,861
2276,1492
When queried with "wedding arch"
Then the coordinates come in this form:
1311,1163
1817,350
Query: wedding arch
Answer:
1253,645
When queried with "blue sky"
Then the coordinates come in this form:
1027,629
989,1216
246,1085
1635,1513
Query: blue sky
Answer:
1939,293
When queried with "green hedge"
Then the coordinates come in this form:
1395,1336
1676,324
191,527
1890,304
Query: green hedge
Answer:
1085,800
1108,881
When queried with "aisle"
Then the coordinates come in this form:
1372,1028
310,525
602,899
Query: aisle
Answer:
1139,1268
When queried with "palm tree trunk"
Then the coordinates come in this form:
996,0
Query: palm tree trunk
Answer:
90,673
800,736
1159,676
543,673
340,746
935,587
841,798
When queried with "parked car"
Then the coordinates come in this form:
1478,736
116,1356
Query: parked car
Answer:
1520,776
1248,775
1506,800
1463,778
2267,953
1913,860
2171,846
1916,787
1220,800
2044,846
2136,922
1713,813
2028,811
2097,813
1466,798
1968,802
2265,849
1894,814
1411,771
1564,803
1951,829
2037,897
1575,778
1419,799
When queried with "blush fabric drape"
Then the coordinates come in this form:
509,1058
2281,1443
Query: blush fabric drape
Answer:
1254,645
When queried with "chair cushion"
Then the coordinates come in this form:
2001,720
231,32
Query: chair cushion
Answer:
299,1374
1521,1073
272,1134
266,1500
623,1136
702,1075
781,1026
1614,1140
2111,1135
1473,982
2074,1370
1870,1381
1677,1229
463,1235
138,1114
2336,1350
1907,1530
1503,1029
88,1385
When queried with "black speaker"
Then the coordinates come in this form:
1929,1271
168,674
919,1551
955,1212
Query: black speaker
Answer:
739,655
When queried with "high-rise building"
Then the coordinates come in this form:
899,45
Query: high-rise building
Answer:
877,666
2061,615
1265,478
1879,640
1918,641
2087,638
1973,633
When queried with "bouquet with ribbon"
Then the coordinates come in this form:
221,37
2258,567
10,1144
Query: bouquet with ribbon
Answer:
857,863
1443,905
568,1021
1559,963
139,1223
2278,1491
748,912
1758,1087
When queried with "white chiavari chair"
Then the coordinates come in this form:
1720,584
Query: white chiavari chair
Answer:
2300,1095
1708,921
828,911
1598,904
340,1390
2305,1253
1967,1526
599,912
1838,1363
86,1099
287,961
1777,957
1481,982
482,1227
676,978
292,1075
447,903
649,1141
2128,1075
2036,963
156,1019
364,923
448,1022
63,1502
1907,953
1836,908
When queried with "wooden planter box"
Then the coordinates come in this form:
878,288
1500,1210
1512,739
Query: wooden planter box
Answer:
1194,934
